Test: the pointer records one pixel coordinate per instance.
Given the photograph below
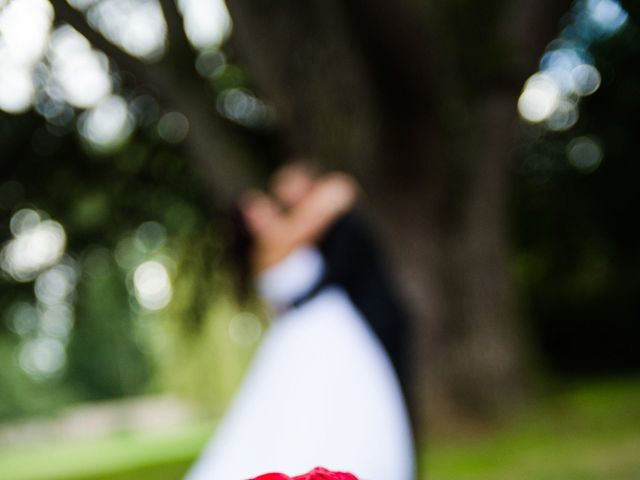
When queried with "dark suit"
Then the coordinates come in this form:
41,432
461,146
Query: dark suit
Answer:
355,262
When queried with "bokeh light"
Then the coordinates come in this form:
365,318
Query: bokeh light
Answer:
564,116
245,329
42,357
24,28
207,22
56,321
586,79
240,106
137,26
23,318
150,236
607,14
173,127
24,31
127,253
152,285
559,62
53,286
567,71
16,89
210,61
108,124
539,98
37,244
585,154
80,74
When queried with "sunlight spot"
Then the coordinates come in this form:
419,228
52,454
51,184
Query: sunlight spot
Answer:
36,245
23,318
16,88
586,79
79,73
23,220
56,321
127,253
585,154
607,14
152,285
559,63
107,125
56,284
150,236
173,127
242,107
138,26
24,29
207,22
564,116
210,62
539,98
42,357
561,59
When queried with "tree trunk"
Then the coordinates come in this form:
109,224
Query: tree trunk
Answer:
363,83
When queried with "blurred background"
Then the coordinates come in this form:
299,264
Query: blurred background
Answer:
497,143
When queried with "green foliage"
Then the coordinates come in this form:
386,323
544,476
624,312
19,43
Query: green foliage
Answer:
105,358
22,395
577,259
193,341
100,201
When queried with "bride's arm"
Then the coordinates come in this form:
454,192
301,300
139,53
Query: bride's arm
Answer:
332,196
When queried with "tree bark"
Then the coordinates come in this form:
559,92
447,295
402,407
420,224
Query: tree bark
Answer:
432,147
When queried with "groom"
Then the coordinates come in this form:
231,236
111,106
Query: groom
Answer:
355,262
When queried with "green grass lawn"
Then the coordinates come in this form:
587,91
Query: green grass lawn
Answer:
152,456
591,432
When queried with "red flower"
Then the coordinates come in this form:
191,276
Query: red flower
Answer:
273,476
318,473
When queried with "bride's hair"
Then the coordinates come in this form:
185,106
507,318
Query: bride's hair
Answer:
239,243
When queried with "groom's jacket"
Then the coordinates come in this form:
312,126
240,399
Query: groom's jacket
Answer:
354,261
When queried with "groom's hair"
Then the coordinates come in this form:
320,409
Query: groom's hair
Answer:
302,162
294,179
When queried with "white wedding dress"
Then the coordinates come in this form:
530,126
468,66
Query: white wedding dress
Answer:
321,391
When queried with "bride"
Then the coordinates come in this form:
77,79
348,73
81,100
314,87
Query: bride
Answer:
321,389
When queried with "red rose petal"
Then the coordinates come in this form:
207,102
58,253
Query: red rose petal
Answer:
320,473
317,473
273,476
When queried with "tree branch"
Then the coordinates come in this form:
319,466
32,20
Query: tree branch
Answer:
179,45
208,146
67,14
